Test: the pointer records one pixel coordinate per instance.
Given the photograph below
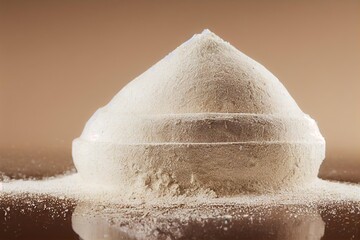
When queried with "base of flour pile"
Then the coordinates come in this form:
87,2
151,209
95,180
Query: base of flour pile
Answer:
71,187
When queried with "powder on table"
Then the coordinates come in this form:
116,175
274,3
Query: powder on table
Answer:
206,119
206,124
107,215
204,131
72,187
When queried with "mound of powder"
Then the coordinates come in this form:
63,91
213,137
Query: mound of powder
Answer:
206,119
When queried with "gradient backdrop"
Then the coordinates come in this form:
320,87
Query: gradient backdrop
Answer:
61,60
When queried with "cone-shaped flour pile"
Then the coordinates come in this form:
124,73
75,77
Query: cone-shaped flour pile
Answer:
206,118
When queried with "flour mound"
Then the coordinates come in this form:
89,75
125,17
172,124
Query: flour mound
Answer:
206,119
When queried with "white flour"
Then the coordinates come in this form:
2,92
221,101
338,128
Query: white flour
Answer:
206,134
206,119
206,124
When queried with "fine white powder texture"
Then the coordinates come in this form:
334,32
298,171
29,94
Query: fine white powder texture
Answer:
206,119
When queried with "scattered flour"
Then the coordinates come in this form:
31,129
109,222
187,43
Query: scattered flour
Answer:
72,187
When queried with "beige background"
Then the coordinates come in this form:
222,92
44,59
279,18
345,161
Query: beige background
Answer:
61,60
